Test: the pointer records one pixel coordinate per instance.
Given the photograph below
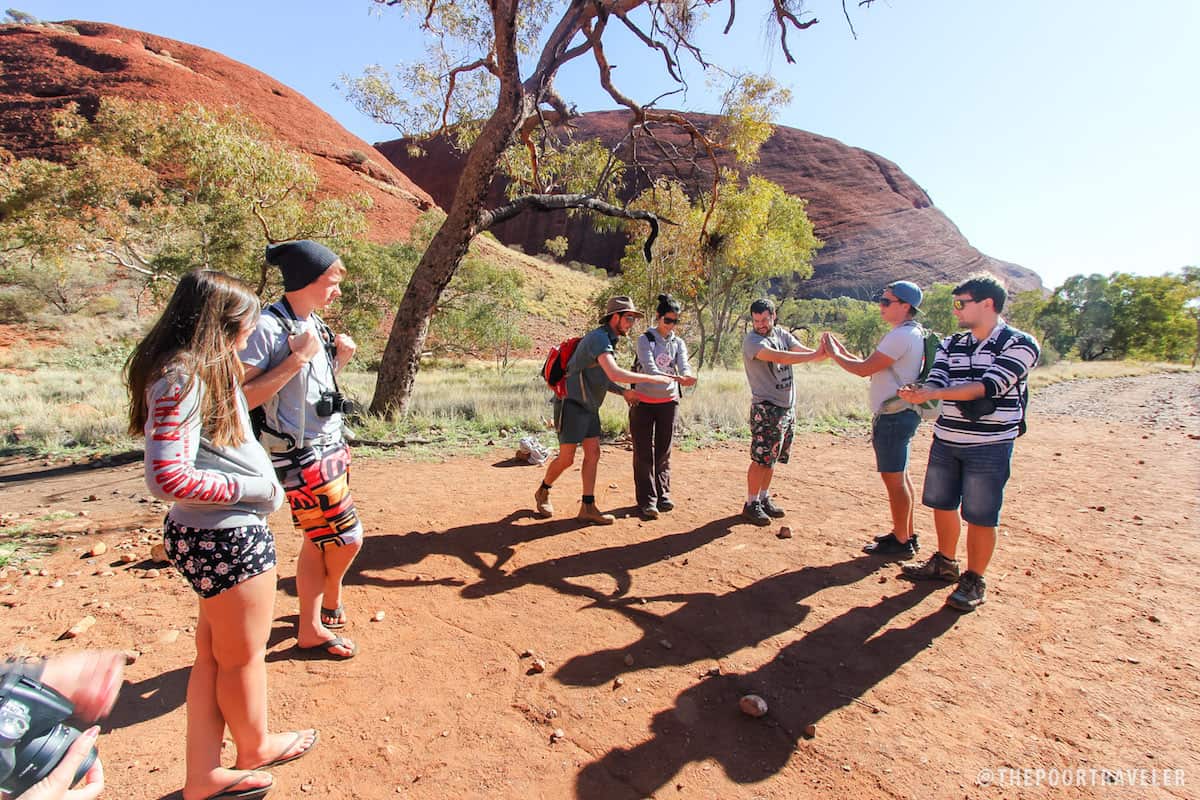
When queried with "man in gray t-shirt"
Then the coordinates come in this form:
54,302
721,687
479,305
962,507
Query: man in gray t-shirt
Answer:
768,354
896,362
291,362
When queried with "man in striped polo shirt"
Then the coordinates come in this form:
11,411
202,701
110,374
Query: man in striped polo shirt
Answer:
979,375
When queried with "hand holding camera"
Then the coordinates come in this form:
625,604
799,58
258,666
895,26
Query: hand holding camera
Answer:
57,785
40,757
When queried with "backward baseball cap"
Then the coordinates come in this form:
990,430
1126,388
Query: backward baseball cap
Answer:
906,292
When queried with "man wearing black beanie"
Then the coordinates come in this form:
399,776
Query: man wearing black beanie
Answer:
292,361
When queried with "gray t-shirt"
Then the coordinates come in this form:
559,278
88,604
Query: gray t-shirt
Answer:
586,382
769,382
267,348
906,344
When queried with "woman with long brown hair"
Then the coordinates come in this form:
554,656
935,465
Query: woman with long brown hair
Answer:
185,395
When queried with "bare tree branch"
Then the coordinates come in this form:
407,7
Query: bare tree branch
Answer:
561,202
129,265
672,67
488,62
783,16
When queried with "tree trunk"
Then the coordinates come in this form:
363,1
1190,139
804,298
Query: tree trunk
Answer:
401,357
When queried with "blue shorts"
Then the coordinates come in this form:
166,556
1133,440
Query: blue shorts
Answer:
974,476
890,436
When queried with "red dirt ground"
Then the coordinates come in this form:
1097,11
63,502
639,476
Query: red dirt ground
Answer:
1084,657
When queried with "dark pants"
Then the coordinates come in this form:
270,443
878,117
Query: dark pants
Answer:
652,426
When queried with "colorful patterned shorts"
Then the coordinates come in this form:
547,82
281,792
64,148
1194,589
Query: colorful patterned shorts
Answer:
317,483
771,429
216,559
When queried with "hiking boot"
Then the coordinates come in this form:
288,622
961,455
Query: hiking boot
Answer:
970,594
892,547
590,514
649,511
544,507
936,568
915,539
753,511
770,509
665,504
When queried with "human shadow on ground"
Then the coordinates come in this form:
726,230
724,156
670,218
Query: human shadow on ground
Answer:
469,543
487,547
619,562
826,669
149,699
709,625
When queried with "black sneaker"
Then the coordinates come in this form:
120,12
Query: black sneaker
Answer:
937,568
891,546
771,509
915,539
970,594
665,504
753,511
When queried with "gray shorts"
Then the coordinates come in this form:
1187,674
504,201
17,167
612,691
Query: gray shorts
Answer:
573,423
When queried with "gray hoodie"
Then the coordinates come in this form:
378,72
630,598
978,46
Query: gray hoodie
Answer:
659,356
211,487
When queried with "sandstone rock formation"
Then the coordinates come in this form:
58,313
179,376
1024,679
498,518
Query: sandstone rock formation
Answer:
45,67
877,223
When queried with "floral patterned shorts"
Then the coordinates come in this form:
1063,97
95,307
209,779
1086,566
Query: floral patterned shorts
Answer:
771,429
214,560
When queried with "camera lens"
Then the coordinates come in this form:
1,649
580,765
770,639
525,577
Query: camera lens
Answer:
36,757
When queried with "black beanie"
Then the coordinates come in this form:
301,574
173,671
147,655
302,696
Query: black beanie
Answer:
301,261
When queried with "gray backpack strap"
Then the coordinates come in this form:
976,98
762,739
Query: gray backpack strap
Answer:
292,327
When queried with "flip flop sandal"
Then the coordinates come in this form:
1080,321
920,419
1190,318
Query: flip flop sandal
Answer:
328,647
282,758
338,615
246,794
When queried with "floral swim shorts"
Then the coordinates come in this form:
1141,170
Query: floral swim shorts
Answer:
216,559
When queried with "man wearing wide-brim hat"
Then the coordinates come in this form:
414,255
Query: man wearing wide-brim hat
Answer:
592,373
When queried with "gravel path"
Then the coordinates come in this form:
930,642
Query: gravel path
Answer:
1165,401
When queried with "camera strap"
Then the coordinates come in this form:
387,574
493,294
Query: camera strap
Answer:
327,340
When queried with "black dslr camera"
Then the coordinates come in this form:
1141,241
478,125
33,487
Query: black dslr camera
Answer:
334,402
33,739
977,409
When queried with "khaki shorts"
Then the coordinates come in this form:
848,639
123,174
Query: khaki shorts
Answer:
573,423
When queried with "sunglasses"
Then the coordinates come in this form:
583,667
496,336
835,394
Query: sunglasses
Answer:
959,305
670,320
886,301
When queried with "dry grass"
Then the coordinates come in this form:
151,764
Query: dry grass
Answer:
551,291
77,404
1083,370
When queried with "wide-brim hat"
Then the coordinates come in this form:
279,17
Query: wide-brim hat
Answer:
621,304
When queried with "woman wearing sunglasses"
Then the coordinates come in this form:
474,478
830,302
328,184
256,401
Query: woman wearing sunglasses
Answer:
652,415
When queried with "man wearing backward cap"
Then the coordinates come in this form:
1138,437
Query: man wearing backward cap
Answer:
292,361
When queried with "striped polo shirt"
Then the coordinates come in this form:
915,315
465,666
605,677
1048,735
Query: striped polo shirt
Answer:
1001,362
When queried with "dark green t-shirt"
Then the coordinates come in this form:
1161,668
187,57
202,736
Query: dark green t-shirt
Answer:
586,382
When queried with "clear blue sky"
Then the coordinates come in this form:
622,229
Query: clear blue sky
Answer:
1059,135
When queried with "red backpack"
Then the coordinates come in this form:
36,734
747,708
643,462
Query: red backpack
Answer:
554,371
